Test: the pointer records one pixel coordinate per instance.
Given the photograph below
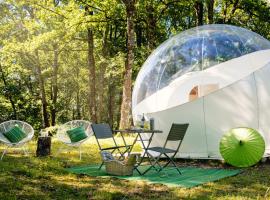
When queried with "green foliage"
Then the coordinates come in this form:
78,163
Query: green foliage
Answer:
52,36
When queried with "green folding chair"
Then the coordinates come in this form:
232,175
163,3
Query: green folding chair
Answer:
104,131
176,134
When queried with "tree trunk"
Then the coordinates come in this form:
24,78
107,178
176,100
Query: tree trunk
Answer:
43,146
45,115
73,114
78,99
111,97
83,112
125,120
225,10
92,77
210,8
234,8
199,12
139,35
152,23
78,105
102,80
54,84
8,95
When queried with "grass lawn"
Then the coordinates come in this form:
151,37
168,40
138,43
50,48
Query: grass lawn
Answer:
29,177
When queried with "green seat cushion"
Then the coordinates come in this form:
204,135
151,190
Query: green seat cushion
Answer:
15,135
76,134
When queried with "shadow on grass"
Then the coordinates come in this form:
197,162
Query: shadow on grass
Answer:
45,178
29,177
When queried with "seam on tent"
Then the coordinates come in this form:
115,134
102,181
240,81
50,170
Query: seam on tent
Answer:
207,151
256,91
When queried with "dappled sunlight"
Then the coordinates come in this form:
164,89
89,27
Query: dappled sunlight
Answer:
70,155
32,177
66,65
72,181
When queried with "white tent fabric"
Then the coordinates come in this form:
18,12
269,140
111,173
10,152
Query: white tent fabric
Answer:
234,93
244,103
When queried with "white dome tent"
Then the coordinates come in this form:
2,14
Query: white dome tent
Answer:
214,77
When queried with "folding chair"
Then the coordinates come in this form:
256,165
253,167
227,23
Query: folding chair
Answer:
176,133
104,131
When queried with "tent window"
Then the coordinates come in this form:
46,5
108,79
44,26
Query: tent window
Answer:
193,93
202,90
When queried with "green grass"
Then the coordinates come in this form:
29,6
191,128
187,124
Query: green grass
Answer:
29,177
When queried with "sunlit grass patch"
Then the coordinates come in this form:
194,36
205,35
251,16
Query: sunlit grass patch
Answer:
30,177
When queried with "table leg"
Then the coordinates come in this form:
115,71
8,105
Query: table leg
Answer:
134,142
144,147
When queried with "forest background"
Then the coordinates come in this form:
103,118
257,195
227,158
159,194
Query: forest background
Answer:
62,60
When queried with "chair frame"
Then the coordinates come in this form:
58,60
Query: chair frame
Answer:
116,147
170,158
68,142
21,143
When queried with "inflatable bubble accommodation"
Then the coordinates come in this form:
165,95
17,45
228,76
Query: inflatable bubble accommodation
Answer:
214,77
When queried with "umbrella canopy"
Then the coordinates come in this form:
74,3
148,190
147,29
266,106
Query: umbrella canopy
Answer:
242,147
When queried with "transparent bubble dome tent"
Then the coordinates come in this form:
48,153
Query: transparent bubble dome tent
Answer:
214,77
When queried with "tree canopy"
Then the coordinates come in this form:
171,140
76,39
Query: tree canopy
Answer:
77,59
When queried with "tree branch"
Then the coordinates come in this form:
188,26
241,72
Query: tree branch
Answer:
41,6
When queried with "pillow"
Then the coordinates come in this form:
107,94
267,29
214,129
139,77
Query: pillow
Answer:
76,134
106,156
15,135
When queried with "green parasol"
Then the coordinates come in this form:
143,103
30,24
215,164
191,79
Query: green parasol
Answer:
242,147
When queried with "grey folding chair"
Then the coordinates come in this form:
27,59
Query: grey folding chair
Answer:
176,134
104,131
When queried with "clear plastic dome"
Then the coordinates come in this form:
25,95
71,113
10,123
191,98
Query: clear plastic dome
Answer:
194,50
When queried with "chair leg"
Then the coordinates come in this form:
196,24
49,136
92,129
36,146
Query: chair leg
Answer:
126,151
169,161
101,165
176,167
122,154
158,165
4,152
174,164
153,165
121,157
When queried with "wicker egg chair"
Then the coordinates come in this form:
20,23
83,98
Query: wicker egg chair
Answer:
7,126
64,137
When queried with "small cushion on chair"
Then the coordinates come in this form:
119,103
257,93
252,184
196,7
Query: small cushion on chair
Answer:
76,134
14,135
